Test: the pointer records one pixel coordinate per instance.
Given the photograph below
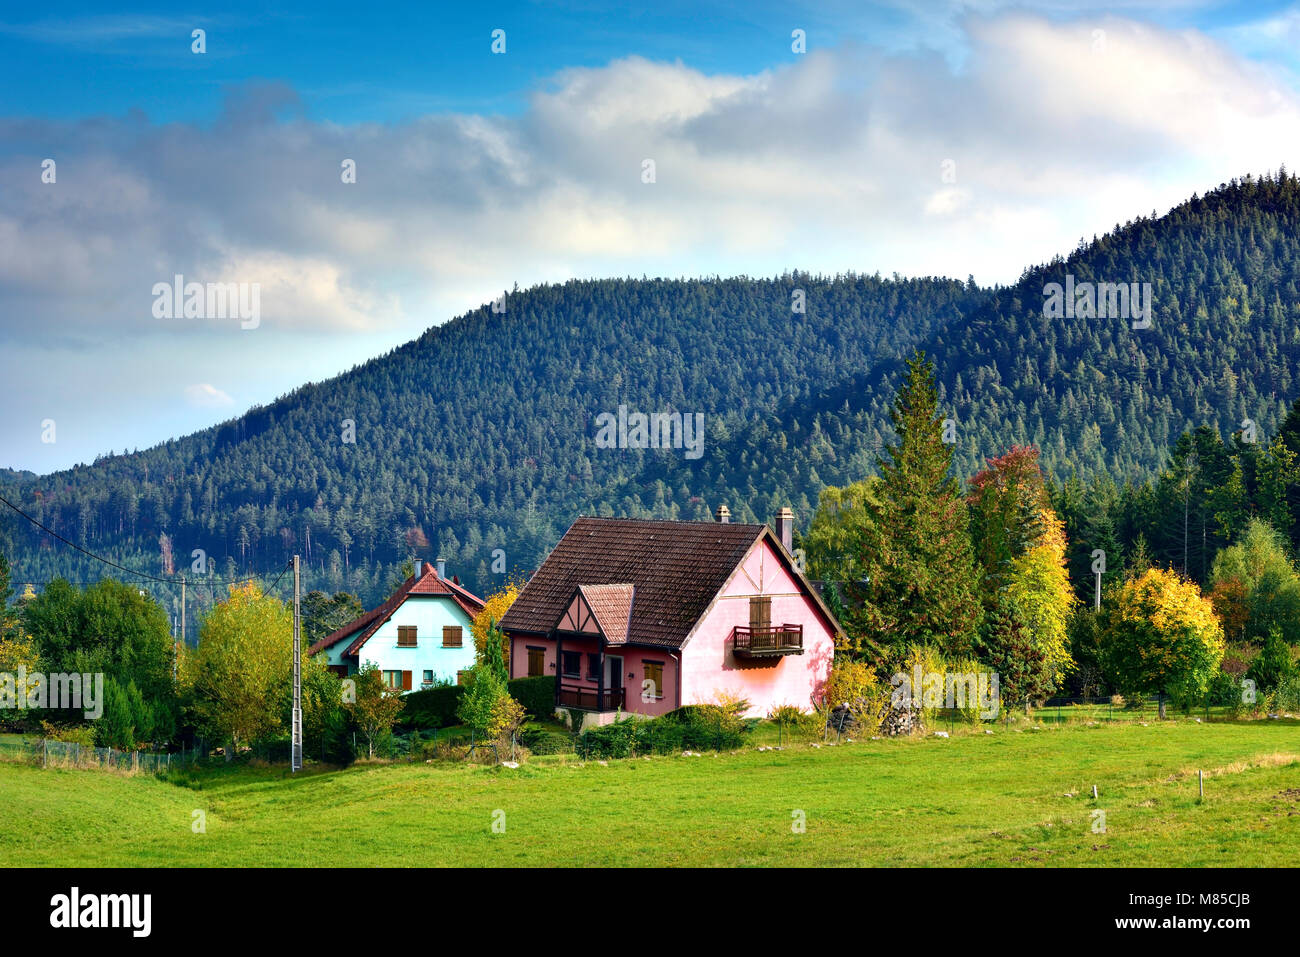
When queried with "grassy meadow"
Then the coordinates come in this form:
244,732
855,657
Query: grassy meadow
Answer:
1016,797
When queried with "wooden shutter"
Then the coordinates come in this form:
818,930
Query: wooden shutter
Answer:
654,672
451,636
406,681
536,662
760,613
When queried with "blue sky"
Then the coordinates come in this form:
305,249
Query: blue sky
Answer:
1053,121
350,66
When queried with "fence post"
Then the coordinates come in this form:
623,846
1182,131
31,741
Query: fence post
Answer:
45,752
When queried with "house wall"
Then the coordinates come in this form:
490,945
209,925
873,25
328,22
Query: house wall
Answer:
428,613
708,665
634,660
334,653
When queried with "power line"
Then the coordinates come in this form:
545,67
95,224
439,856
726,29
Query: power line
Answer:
113,564
193,582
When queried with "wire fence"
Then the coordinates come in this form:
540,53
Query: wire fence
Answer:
48,753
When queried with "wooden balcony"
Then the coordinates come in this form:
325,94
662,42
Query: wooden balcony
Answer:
587,698
774,641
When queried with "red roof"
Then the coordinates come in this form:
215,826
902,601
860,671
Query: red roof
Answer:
426,583
612,606
665,574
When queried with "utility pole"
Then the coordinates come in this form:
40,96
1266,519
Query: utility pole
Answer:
1098,569
295,758
182,609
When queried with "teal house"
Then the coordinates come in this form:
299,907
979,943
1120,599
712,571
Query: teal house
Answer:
419,637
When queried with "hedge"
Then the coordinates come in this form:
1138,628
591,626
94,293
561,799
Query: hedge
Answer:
694,727
537,695
431,708
436,707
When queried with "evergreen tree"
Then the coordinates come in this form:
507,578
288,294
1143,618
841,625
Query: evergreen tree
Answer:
919,585
115,727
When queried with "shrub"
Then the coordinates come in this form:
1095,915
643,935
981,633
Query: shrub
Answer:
545,741
621,739
432,707
476,706
82,734
796,721
1274,665
536,694
1287,696
856,685
693,727
506,718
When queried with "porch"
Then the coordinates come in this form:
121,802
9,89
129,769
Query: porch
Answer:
770,641
590,698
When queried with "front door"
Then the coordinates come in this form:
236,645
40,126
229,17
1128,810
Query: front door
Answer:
614,681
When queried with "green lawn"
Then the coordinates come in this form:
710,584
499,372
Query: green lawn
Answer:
970,800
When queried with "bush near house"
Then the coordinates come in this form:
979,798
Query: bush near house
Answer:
436,707
693,727
540,740
431,708
537,694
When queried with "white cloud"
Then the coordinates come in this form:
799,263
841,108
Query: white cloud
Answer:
833,162
830,163
207,396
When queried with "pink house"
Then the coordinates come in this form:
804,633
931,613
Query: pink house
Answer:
647,616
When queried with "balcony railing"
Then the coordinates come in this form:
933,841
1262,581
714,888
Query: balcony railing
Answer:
770,642
590,699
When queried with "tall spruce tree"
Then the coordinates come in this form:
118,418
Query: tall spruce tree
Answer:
919,584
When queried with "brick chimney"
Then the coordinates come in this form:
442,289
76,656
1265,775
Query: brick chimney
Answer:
785,529
723,514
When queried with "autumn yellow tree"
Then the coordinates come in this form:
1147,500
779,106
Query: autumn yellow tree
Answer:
494,609
18,651
1020,544
1039,587
230,680
1161,636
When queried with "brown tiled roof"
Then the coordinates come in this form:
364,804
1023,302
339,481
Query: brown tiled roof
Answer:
676,569
612,606
426,583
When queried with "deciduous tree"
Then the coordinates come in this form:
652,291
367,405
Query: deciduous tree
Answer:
1161,636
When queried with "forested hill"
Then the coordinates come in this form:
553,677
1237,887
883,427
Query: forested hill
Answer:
481,434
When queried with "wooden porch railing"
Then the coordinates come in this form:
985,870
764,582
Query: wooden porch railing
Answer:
590,699
772,641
